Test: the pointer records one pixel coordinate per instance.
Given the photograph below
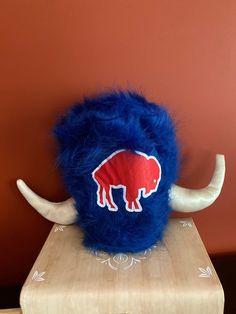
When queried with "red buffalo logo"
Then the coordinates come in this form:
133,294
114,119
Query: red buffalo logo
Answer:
135,172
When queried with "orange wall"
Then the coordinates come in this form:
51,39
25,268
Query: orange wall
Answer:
181,53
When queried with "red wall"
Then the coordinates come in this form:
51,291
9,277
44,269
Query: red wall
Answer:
181,53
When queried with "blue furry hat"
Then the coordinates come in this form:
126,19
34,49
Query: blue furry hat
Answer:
119,158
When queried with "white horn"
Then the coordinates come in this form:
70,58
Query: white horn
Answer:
187,200
62,213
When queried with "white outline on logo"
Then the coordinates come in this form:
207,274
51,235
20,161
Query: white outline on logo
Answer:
140,194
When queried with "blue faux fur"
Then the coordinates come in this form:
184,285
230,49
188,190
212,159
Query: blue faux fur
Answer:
89,133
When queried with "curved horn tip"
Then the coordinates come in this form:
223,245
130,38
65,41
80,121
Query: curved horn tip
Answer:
61,213
186,200
19,182
22,186
220,158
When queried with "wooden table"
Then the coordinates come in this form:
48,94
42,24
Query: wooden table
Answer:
176,276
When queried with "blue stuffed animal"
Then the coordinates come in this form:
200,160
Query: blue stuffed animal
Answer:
119,158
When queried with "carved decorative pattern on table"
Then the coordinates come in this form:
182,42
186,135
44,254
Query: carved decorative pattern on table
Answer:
186,223
59,228
122,260
205,272
37,276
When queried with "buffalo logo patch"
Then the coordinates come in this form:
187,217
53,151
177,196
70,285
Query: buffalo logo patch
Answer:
135,172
